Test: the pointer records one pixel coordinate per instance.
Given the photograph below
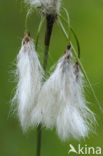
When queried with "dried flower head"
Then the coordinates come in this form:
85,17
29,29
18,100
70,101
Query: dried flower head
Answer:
30,74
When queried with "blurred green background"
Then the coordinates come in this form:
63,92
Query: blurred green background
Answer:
87,21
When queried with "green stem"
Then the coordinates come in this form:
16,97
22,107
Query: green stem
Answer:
77,41
39,135
63,29
26,20
68,18
45,57
49,26
81,66
38,31
50,19
73,32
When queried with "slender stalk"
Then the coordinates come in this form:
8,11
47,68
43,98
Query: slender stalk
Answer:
45,58
68,18
39,135
50,19
77,41
63,29
73,32
38,31
26,20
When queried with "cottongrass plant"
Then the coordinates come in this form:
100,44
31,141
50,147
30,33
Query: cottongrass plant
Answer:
58,101
30,74
50,9
62,103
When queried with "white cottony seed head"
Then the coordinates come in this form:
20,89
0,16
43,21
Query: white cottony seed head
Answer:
61,102
30,74
48,104
75,118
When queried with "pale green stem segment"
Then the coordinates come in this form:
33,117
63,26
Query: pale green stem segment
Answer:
39,30
63,29
39,137
68,18
73,32
70,29
77,41
45,58
27,17
81,66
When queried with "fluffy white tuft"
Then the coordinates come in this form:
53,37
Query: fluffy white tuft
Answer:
30,76
48,104
35,3
51,6
74,117
48,6
61,102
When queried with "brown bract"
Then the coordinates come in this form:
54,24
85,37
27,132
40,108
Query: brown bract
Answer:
26,37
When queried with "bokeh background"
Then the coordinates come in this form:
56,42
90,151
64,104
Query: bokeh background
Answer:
87,20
